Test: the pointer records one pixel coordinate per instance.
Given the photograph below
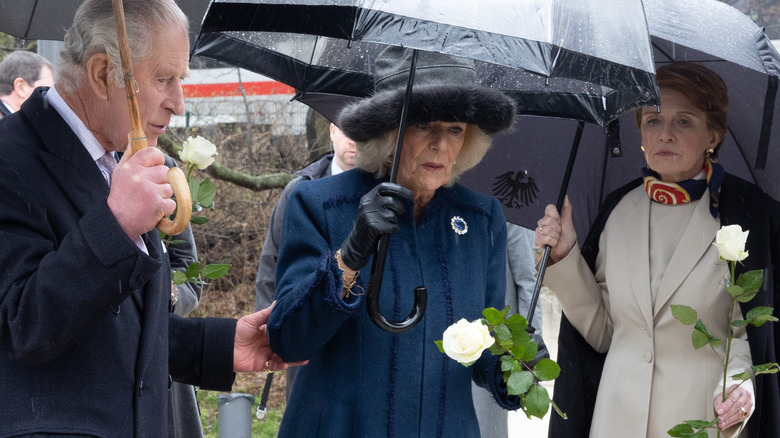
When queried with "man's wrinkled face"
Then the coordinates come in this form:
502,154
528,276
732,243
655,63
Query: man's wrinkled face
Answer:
160,92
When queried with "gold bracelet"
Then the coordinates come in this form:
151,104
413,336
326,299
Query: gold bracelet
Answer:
347,280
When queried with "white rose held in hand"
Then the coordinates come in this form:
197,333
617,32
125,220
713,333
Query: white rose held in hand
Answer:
730,241
198,151
465,341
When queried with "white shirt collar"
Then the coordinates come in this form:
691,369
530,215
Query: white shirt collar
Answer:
334,168
11,110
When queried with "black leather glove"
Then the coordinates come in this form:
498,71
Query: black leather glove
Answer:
377,215
542,352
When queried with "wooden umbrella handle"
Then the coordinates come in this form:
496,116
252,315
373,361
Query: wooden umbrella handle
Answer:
176,177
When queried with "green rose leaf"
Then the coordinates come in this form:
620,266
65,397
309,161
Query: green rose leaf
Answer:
519,382
751,280
684,314
507,363
742,376
206,193
747,296
215,271
681,430
518,351
767,368
547,369
194,188
530,351
759,315
178,277
735,290
493,316
699,339
707,337
198,220
439,344
739,323
502,332
517,323
537,401
496,350
687,429
193,270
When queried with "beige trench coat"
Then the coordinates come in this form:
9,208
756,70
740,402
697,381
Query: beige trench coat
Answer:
653,378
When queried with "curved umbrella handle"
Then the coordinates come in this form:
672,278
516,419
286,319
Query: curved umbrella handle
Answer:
176,177
374,286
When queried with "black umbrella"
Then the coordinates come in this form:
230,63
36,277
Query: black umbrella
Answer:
588,59
524,168
49,19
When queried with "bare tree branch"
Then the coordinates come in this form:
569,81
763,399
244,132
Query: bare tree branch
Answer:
257,183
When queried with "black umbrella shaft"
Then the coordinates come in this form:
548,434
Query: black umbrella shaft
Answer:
559,205
378,266
402,123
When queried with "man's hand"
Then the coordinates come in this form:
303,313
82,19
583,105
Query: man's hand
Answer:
251,350
140,194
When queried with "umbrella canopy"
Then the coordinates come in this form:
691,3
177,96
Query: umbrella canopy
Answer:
525,168
587,60
49,19
555,58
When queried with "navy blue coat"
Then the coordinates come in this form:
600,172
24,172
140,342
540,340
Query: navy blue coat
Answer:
84,322
362,381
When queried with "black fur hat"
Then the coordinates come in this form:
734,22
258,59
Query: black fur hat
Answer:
444,90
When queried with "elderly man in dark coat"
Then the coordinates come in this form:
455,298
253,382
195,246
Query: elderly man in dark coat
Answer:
87,344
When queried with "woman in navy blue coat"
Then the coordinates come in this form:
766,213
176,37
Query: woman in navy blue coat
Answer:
361,380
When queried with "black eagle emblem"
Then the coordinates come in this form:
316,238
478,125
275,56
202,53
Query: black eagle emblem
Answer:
515,190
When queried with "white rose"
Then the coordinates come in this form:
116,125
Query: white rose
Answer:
730,241
198,151
465,341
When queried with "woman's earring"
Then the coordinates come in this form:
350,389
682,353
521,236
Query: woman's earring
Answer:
642,147
708,156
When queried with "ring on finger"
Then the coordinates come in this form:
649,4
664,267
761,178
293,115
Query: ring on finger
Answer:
265,367
744,412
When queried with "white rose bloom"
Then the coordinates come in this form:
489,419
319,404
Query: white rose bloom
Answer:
198,151
730,241
465,341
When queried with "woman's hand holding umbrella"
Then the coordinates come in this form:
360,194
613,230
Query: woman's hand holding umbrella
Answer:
377,216
557,231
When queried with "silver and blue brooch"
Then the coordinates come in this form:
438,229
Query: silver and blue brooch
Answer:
459,226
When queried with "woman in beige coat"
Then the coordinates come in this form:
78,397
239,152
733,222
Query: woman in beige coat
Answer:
653,253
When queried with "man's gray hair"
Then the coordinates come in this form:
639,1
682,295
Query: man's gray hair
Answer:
94,31
376,155
21,64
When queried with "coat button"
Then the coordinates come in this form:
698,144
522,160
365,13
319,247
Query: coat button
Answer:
648,357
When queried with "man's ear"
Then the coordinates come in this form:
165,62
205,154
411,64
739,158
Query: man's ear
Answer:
19,84
97,75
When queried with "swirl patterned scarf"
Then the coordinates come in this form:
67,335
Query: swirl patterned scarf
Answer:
686,191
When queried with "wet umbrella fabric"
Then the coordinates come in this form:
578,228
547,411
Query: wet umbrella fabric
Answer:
534,50
49,19
555,58
524,168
